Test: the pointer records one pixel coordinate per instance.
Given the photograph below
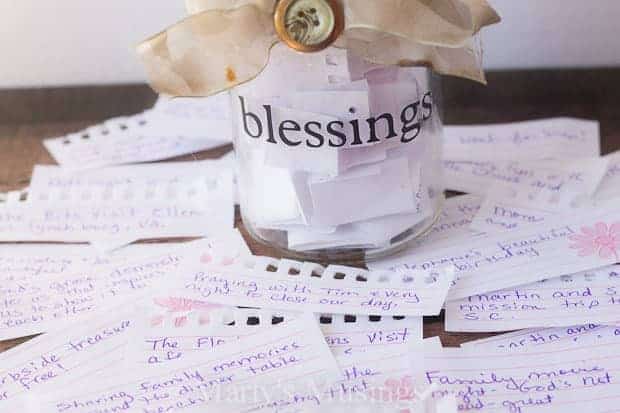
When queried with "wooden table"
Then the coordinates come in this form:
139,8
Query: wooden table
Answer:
28,116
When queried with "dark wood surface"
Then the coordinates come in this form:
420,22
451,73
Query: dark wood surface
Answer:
29,116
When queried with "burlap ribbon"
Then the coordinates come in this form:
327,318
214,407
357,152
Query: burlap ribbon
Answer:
227,42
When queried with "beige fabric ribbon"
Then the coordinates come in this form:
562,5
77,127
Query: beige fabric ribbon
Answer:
225,43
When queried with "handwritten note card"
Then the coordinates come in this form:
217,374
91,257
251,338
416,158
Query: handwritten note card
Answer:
48,361
552,184
557,138
38,305
172,128
534,339
211,326
294,286
493,262
274,370
167,181
590,297
134,220
575,379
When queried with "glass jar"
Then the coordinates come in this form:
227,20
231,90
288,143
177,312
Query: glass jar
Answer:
338,159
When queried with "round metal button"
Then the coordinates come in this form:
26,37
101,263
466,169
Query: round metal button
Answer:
309,25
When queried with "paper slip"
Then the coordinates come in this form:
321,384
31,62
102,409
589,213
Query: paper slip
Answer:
210,326
283,366
39,305
84,347
358,191
582,242
557,138
166,181
552,184
294,286
574,379
590,297
124,220
534,339
171,128
610,186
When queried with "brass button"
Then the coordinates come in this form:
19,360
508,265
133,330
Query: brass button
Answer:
309,25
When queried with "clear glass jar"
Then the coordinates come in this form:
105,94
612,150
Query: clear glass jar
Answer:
338,159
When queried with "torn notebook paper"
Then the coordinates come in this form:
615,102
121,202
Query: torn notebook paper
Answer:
172,128
584,241
556,138
589,297
294,286
288,363
43,304
539,380
139,215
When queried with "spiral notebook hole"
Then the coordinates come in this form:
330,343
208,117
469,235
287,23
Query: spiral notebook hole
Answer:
277,320
398,317
294,271
253,321
271,268
325,319
361,278
339,276
374,318
85,136
348,318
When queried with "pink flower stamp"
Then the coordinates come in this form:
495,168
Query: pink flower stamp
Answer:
602,239
395,390
175,305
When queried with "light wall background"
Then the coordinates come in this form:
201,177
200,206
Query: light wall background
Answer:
76,42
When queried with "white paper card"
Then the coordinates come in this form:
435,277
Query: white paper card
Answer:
535,339
82,348
281,362
38,305
171,128
294,286
575,379
345,335
553,184
590,297
75,222
585,241
557,138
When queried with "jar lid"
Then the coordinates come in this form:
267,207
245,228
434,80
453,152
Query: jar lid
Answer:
308,25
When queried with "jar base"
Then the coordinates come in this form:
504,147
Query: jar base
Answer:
353,257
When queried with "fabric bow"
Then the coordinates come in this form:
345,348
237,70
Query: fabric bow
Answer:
225,43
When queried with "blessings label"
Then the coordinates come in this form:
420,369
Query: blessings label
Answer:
276,125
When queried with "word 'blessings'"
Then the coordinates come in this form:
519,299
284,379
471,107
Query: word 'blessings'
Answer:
337,133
